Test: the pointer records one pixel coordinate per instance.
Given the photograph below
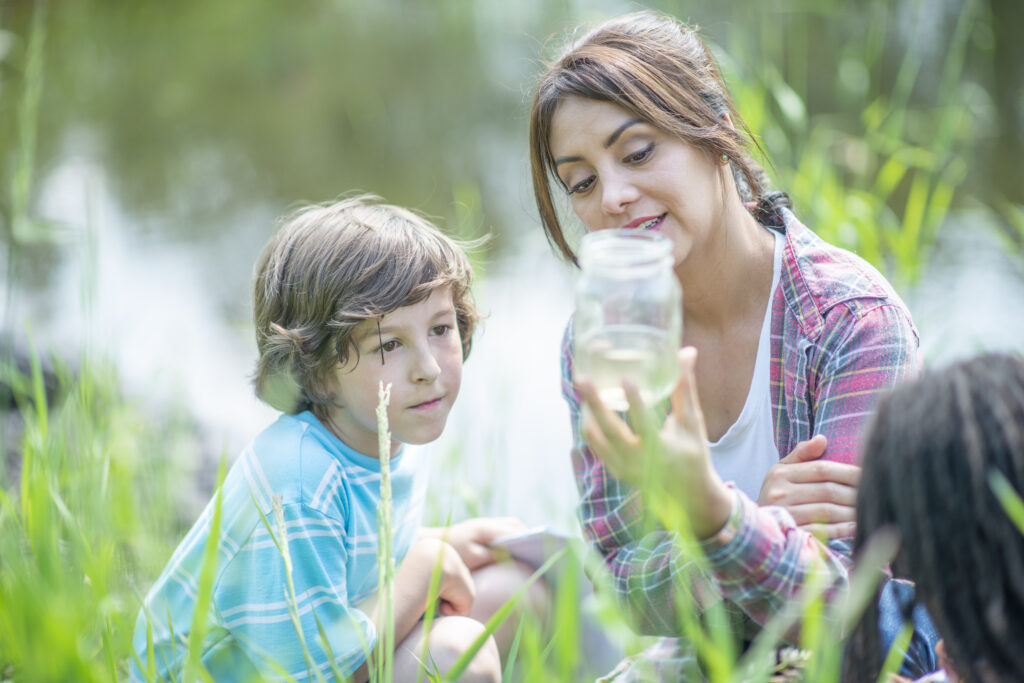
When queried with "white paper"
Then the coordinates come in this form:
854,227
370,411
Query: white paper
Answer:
533,546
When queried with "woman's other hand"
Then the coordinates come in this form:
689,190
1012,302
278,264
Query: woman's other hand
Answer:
819,494
674,459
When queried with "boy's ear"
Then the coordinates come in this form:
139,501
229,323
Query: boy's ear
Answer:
325,388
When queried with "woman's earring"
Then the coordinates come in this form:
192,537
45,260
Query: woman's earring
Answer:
725,158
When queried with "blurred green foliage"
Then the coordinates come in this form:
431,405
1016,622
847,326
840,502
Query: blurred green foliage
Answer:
878,115
204,117
88,513
876,168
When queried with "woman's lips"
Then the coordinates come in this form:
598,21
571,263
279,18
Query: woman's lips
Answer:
646,223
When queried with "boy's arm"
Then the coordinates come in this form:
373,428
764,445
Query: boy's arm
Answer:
412,591
258,594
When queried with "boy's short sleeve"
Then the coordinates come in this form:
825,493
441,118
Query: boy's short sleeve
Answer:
254,603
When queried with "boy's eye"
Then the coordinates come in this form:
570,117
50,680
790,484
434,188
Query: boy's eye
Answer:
582,186
641,155
441,330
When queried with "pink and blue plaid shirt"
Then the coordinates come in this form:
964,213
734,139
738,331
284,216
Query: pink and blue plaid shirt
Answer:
840,337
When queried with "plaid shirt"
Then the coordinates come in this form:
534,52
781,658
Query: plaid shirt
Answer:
840,337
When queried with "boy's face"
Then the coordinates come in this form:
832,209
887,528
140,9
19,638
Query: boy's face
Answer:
422,354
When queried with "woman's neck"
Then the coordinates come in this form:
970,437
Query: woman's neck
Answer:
728,281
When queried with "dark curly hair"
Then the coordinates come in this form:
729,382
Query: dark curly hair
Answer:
930,457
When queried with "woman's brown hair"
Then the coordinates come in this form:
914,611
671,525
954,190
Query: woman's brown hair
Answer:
656,68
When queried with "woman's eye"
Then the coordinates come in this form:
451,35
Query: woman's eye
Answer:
582,186
389,346
641,155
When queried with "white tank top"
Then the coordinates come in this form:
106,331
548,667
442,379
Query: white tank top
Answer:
747,449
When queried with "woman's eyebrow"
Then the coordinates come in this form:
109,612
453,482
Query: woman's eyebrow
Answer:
620,130
607,143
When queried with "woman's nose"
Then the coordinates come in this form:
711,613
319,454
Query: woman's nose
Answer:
616,194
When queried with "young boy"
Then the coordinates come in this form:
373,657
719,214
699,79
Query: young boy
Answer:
347,295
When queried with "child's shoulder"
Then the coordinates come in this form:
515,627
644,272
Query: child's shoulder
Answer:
295,458
298,459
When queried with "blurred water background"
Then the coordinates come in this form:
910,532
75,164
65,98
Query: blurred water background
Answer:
148,148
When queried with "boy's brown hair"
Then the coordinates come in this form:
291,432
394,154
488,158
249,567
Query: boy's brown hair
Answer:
332,266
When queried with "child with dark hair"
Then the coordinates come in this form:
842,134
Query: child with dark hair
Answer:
348,296
936,453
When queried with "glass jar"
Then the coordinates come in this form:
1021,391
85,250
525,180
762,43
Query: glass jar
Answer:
628,320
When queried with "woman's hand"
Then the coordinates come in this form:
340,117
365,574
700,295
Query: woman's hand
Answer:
473,537
674,459
820,494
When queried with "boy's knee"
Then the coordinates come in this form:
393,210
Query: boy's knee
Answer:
450,637
497,583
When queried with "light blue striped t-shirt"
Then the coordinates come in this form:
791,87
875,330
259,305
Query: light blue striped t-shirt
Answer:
329,495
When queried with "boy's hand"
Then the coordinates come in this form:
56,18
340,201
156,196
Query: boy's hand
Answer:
456,591
413,579
820,494
473,537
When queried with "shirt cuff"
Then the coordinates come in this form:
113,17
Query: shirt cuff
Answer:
721,539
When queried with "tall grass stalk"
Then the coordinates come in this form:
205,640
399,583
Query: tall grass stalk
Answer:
1008,498
280,540
22,228
204,594
426,662
384,660
499,618
88,517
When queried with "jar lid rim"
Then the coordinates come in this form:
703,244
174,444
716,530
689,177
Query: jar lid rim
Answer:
625,247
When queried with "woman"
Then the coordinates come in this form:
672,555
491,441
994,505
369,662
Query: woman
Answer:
929,460
796,339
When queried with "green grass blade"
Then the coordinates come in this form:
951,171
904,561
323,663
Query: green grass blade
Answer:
204,596
499,617
28,123
513,652
150,668
174,645
108,649
897,652
1008,498
430,614
289,588
326,645
385,543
